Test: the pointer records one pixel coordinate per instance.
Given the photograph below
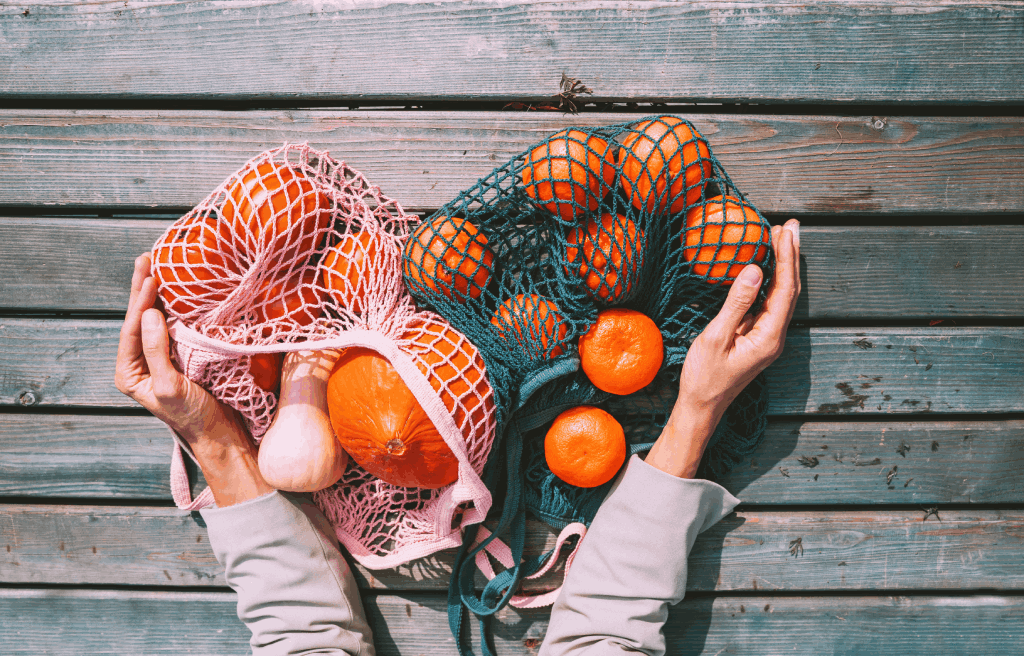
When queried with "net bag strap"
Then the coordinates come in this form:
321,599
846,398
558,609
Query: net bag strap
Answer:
501,553
181,490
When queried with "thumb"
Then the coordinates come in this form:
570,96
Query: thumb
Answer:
155,344
737,304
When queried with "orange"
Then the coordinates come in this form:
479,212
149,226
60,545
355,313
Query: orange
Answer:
722,237
568,174
449,256
585,446
538,318
276,206
295,299
265,369
661,160
622,352
607,256
345,270
192,267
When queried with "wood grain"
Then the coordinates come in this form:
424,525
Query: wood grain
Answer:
93,622
823,371
109,457
788,164
85,456
852,272
848,463
707,51
750,550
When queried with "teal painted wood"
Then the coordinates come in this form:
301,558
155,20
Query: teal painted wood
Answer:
852,272
104,457
920,51
786,164
94,621
749,550
823,371
84,456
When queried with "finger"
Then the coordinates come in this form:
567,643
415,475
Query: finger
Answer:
155,344
781,301
741,296
129,347
139,275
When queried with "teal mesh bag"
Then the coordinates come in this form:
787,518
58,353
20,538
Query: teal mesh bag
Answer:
639,216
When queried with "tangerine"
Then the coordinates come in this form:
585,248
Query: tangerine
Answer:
265,369
276,206
449,256
346,268
295,299
569,173
622,352
585,446
722,237
660,160
192,267
539,318
607,256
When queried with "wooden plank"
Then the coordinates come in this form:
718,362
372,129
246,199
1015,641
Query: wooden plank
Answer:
750,550
849,462
852,272
76,456
86,456
790,164
708,51
93,622
826,371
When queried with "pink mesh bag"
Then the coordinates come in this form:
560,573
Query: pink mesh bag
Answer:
297,251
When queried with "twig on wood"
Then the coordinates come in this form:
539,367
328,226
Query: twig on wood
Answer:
891,475
784,472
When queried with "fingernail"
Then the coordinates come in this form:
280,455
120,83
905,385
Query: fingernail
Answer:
751,275
794,227
150,319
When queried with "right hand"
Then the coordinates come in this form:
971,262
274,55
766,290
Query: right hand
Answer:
145,372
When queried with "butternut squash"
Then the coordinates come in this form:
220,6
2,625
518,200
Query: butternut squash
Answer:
299,452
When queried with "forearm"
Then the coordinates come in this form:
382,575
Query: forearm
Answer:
680,447
632,563
296,592
228,458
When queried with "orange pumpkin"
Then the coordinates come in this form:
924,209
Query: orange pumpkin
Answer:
192,267
345,270
381,424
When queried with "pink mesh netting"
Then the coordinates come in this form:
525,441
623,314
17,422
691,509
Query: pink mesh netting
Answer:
297,251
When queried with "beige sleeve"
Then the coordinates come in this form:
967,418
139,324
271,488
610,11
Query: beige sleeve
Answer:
296,592
632,564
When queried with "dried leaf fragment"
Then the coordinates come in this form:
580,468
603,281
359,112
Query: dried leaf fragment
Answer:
806,461
796,547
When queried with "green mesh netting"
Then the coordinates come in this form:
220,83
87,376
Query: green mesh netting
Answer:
640,216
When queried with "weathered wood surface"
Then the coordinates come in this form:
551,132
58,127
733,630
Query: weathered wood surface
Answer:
826,371
94,622
849,462
84,456
750,550
790,164
852,272
74,456
709,51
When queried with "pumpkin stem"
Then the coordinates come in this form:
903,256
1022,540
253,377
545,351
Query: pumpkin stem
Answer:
395,446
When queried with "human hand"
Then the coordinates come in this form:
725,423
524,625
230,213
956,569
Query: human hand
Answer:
145,373
733,349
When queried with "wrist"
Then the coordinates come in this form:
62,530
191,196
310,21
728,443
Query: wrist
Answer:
680,447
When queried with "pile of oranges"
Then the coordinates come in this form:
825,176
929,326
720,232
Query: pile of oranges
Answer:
662,168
